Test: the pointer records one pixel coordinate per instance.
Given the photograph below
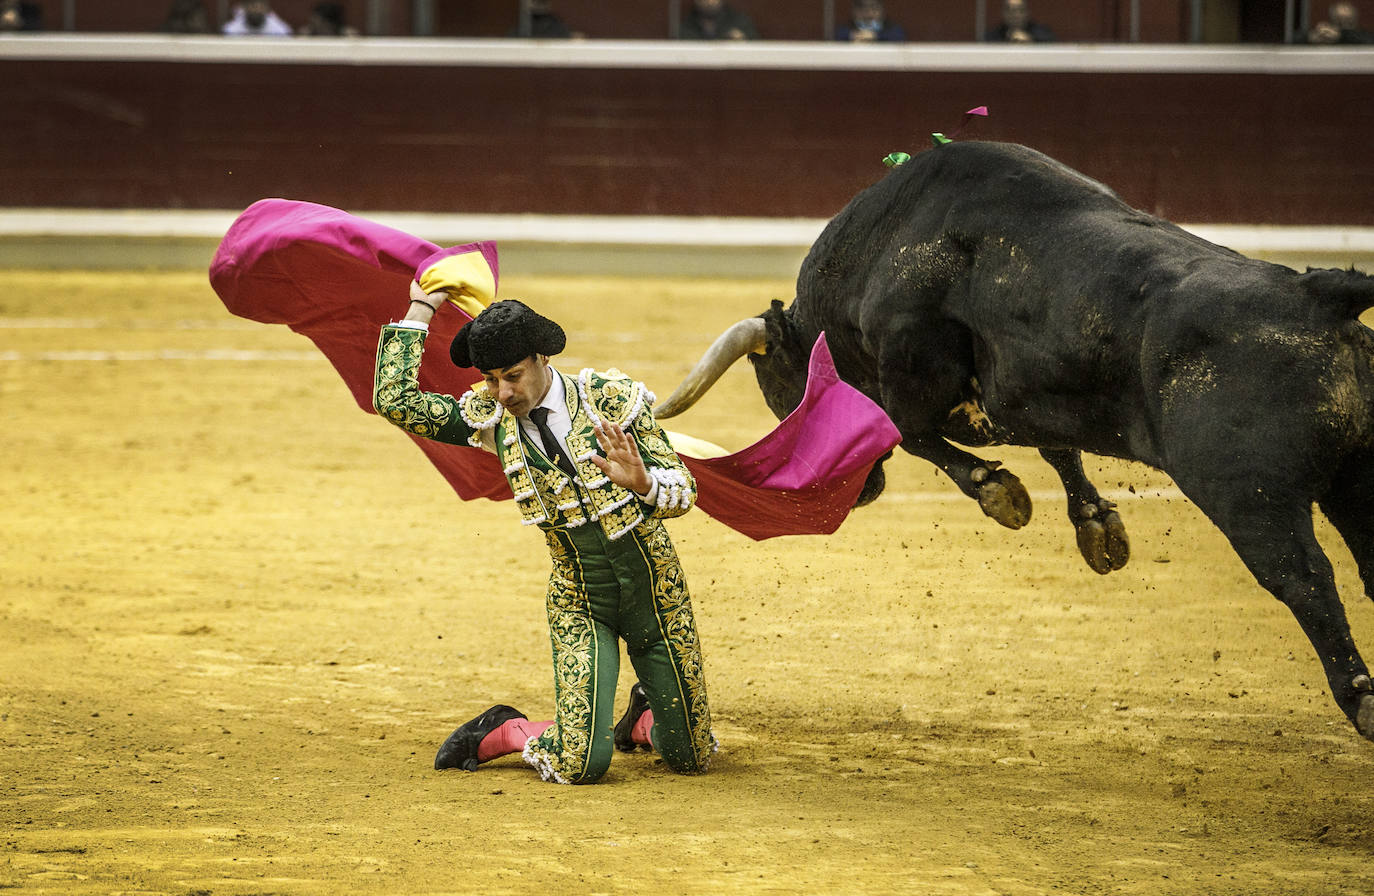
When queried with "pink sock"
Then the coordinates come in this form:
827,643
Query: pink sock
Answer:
509,737
640,733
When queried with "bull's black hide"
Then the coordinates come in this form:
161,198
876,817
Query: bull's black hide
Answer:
984,293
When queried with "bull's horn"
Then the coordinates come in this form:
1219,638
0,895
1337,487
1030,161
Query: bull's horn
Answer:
749,335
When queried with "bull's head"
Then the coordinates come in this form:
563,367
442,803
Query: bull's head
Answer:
779,359
780,355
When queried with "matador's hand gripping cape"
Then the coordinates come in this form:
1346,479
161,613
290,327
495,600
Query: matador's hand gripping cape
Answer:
337,279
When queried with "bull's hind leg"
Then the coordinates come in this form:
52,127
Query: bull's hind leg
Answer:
1101,534
1350,508
1277,542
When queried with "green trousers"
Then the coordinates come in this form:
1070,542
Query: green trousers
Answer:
601,592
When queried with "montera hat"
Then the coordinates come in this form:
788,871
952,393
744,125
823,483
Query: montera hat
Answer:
505,333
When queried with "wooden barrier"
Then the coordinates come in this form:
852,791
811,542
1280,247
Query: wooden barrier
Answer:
1271,136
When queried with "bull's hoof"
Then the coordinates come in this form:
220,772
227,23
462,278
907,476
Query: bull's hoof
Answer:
1103,543
1364,716
1004,498
1364,709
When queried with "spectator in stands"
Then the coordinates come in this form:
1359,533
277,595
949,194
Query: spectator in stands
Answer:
18,15
716,20
868,23
1017,26
544,22
328,20
1342,26
187,17
256,18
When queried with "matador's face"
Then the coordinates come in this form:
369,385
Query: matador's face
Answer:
520,387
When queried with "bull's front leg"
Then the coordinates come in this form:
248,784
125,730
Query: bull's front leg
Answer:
998,492
1100,532
921,379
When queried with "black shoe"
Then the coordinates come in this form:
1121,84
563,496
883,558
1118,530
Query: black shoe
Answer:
460,750
639,705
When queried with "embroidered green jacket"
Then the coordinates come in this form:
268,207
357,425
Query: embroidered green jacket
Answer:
546,496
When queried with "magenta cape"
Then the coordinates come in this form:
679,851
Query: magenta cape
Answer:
337,279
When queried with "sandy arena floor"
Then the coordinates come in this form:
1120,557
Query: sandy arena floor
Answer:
238,615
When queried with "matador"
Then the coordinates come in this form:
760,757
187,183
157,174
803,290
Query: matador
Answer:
589,466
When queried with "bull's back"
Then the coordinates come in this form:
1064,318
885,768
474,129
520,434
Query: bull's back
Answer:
1013,217
964,193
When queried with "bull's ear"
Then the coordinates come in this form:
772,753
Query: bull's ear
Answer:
776,327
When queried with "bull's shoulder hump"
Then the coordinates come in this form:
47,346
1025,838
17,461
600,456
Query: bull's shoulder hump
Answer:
987,154
995,161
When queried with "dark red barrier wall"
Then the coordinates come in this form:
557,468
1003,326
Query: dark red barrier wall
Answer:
1242,148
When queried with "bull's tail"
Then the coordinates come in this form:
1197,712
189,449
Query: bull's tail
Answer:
1349,292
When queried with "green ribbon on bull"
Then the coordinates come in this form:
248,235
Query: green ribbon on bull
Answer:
893,159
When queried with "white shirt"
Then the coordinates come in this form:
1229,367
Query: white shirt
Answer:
560,424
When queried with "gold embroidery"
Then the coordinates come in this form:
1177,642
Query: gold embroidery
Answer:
396,393
481,409
552,502
622,518
551,482
520,482
679,631
579,443
563,752
566,748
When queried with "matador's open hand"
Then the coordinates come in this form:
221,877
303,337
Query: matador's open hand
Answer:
622,463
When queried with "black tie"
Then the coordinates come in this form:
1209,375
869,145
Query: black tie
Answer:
540,416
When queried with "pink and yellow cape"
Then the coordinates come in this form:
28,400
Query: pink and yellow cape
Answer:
337,279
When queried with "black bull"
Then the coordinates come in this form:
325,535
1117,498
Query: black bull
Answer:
983,293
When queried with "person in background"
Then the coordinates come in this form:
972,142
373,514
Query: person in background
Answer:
544,22
327,20
868,24
17,15
1017,26
187,17
716,20
255,18
1342,26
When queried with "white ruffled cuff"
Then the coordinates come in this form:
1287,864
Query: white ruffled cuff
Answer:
674,491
